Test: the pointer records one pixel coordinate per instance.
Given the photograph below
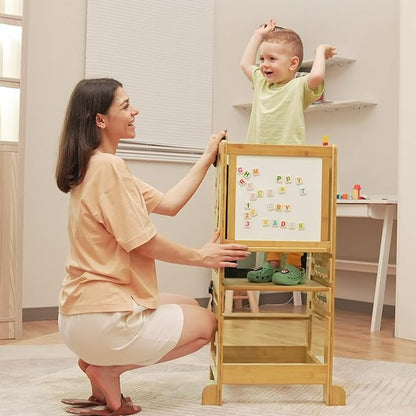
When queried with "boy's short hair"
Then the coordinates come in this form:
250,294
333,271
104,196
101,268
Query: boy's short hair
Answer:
289,37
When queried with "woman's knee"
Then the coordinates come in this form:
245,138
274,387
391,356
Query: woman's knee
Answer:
199,322
210,323
213,320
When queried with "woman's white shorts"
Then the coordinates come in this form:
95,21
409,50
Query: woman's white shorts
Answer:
141,337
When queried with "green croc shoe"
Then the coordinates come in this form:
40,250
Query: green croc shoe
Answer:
261,274
289,276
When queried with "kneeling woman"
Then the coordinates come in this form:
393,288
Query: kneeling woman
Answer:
111,313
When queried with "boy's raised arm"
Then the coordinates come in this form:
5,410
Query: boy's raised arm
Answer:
317,74
249,55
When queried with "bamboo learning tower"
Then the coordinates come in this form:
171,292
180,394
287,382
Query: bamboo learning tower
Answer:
294,347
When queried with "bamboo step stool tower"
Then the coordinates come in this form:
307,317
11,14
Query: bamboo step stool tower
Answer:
276,198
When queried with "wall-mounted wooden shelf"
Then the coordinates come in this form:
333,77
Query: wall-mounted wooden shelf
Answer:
327,106
336,61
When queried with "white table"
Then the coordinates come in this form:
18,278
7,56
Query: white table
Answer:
382,209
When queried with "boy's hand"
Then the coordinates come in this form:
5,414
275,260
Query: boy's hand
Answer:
328,50
266,28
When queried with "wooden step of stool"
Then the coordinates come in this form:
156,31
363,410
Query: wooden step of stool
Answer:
232,296
238,296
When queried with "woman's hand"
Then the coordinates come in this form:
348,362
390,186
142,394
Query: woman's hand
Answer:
216,255
211,150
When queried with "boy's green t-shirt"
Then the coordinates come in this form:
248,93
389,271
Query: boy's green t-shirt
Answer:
277,111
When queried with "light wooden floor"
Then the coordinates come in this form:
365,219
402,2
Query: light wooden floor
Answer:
352,338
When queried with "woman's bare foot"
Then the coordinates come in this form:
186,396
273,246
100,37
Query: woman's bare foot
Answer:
107,380
95,390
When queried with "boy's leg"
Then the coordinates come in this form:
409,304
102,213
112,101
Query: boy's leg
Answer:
273,259
295,259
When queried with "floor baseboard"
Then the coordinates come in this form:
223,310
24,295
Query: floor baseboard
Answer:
40,314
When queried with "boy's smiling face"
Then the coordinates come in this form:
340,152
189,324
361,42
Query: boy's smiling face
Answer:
277,63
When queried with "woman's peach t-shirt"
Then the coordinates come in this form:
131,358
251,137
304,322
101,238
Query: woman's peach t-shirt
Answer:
108,218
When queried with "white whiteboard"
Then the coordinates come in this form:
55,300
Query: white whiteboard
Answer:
278,198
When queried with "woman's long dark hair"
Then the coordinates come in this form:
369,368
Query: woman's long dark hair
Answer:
80,135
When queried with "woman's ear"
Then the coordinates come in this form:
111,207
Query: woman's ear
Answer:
99,121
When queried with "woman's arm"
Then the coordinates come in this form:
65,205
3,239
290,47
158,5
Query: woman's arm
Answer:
177,197
211,255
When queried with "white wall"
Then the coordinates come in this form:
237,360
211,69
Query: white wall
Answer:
56,63
406,285
367,140
192,226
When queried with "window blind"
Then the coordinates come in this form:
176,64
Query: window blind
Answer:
162,53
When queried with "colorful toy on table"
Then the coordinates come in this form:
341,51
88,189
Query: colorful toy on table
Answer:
325,141
356,192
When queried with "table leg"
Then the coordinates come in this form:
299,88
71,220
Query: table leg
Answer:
382,268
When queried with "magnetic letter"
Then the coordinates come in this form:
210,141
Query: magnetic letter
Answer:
266,222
